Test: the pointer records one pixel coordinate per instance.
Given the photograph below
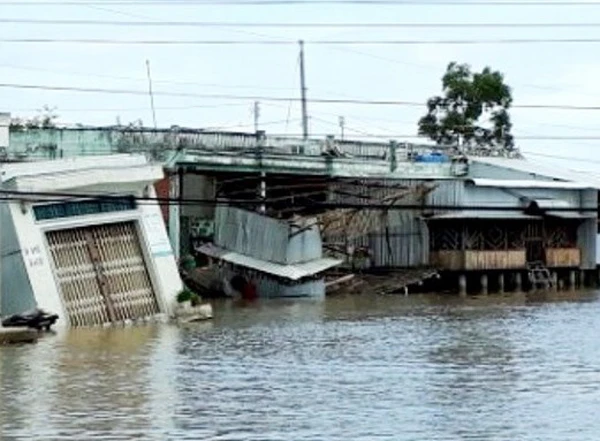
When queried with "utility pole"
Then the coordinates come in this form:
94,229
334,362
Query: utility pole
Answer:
303,92
256,115
150,93
342,122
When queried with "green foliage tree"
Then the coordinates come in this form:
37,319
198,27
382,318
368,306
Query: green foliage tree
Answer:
473,110
46,119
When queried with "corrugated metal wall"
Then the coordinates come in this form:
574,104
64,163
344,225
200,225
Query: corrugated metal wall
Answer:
405,244
265,238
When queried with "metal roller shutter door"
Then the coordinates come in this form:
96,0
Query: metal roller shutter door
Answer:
102,275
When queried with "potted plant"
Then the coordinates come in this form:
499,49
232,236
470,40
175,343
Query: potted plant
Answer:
184,298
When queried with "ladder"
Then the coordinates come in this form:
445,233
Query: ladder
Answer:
539,275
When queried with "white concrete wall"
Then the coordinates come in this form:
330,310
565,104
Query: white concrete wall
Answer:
160,257
38,261
155,244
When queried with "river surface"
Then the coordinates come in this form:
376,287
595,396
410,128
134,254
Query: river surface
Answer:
349,368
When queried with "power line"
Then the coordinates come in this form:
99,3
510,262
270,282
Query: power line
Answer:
286,42
537,3
40,196
270,98
127,78
223,24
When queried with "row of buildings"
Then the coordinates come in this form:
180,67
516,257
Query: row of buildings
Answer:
484,221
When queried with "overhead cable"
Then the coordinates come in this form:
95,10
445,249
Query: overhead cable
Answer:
292,203
269,98
287,42
222,24
467,3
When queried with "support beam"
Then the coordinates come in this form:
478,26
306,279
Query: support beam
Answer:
174,214
518,282
501,283
393,159
572,279
484,284
462,285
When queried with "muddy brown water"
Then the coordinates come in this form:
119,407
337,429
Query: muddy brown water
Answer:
421,367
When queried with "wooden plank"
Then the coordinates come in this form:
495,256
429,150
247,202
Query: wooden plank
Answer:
447,260
478,260
563,257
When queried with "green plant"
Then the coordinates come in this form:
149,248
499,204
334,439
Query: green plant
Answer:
195,299
184,295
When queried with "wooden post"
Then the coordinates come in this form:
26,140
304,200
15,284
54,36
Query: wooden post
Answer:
582,278
555,281
484,284
572,279
462,285
501,283
518,282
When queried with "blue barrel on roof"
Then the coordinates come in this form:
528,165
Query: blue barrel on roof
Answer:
432,158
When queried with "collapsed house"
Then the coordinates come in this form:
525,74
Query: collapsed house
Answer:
83,238
279,258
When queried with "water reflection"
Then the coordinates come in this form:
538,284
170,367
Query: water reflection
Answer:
352,368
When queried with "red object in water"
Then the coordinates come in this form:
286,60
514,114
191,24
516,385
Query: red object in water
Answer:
249,291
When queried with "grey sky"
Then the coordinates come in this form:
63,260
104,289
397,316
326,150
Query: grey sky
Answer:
538,73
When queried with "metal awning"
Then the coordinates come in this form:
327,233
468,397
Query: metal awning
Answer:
546,204
295,271
484,214
552,207
570,214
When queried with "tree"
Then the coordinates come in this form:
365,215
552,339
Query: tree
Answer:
473,111
46,119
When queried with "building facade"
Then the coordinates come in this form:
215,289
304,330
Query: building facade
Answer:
455,213
84,238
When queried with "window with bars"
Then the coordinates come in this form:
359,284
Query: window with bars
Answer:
83,207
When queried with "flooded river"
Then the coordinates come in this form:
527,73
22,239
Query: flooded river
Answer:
349,368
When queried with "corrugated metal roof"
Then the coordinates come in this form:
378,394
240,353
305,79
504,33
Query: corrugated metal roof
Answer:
484,214
540,169
548,203
529,183
588,177
293,272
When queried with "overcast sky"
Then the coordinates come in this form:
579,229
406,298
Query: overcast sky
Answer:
556,73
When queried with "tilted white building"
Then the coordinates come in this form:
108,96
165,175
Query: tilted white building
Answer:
84,238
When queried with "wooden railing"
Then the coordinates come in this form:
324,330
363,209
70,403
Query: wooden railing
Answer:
563,257
478,260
